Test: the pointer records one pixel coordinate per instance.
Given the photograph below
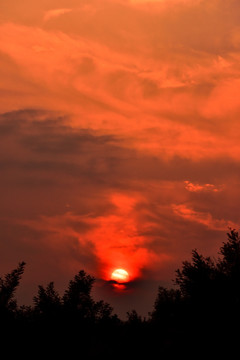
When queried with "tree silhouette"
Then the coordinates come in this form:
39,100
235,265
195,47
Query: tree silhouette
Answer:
204,306
166,306
103,311
229,264
210,292
216,283
8,286
196,277
48,301
134,318
229,274
77,299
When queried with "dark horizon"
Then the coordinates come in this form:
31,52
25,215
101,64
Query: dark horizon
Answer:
200,315
139,295
119,299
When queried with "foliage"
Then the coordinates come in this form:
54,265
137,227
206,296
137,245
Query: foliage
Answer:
229,264
103,311
196,278
77,298
8,286
211,282
47,301
133,317
166,305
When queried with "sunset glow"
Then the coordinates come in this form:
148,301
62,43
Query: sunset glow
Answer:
119,132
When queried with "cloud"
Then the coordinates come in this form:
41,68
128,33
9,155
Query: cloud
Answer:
204,187
55,13
115,239
203,218
111,112
88,201
107,88
167,2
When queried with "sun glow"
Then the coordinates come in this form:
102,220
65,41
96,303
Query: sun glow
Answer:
120,275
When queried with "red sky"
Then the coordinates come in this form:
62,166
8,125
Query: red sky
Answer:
119,130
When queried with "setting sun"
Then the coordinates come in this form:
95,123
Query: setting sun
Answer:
120,275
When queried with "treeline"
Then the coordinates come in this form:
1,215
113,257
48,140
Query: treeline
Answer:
201,313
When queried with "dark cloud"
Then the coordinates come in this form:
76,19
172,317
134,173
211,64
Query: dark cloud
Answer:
51,147
46,165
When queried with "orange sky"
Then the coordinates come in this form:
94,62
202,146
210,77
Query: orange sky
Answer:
119,130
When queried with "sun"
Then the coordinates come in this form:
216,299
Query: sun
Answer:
120,275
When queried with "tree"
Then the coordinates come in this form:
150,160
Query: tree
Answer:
8,286
133,318
103,311
196,279
77,298
48,301
205,281
166,306
230,252
229,267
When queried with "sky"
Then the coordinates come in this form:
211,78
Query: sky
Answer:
119,140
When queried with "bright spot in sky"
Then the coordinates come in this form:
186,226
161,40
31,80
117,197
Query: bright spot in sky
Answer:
120,275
